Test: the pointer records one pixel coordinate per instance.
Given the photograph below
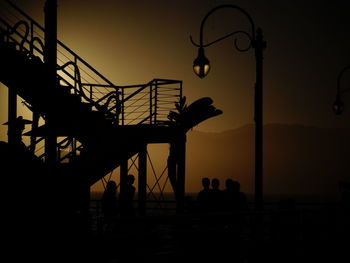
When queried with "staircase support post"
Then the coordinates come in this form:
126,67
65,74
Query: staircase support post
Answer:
142,180
123,175
50,59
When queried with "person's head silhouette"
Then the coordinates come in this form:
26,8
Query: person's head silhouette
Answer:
215,183
206,182
229,184
236,186
111,186
130,179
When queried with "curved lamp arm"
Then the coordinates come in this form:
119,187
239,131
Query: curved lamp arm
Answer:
251,36
201,65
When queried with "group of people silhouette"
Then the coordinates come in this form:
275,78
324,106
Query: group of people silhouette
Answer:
212,198
111,207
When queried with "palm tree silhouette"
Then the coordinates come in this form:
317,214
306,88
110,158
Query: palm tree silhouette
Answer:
188,116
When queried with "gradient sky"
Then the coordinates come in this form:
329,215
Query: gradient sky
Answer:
134,41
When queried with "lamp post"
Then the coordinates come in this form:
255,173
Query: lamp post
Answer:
338,105
201,67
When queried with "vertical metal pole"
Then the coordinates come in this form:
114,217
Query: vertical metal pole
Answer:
259,47
142,181
50,59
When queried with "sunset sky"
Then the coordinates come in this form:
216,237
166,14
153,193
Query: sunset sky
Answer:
134,41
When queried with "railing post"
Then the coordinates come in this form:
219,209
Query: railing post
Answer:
122,106
150,102
118,106
155,102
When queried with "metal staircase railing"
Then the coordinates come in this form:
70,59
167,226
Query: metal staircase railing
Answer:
132,102
72,69
147,104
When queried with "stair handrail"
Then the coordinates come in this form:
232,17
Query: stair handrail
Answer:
76,77
105,99
59,42
12,30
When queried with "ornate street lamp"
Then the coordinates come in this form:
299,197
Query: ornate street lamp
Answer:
201,67
338,105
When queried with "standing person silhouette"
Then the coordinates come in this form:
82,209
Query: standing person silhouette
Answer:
242,198
230,195
216,195
109,199
127,197
203,196
109,204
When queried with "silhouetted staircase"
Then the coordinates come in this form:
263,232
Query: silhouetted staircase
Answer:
100,123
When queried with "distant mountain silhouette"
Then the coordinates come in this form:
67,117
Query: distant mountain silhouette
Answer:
297,159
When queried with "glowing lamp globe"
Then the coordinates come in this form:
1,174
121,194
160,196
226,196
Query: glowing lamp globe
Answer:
201,65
